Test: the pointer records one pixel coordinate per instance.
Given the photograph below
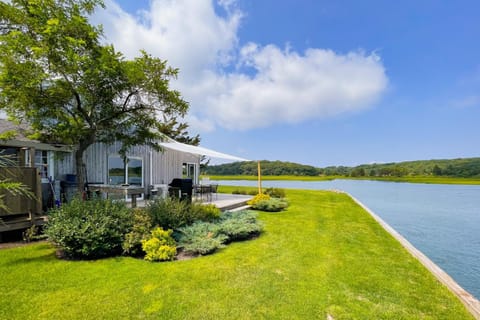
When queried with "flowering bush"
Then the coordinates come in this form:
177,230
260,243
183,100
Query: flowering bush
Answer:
257,198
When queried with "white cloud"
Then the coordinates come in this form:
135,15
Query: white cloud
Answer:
263,85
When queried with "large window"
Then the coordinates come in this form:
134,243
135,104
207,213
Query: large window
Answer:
128,172
116,171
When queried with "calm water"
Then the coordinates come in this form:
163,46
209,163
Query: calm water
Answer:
442,221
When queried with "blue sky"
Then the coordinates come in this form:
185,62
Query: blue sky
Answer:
317,82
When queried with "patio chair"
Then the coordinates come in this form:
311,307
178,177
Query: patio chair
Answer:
213,189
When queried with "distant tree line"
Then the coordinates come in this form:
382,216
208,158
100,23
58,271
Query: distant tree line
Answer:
269,168
463,168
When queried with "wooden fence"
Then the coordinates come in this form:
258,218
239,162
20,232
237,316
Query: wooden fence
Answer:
20,204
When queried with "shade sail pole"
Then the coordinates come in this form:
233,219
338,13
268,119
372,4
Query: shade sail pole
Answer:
259,172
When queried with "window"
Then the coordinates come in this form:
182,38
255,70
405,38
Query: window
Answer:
129,172
44,163
116,171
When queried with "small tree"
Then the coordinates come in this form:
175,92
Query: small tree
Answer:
57,76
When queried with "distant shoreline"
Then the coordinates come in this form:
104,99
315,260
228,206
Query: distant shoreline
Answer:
409,179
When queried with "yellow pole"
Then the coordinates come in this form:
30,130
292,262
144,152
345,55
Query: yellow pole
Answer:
259,178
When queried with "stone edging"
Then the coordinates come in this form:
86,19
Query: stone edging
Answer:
470,302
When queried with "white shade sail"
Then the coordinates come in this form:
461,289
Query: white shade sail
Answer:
199,150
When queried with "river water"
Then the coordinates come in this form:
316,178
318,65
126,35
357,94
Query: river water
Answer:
442,221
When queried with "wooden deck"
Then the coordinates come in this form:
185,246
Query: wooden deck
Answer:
223,201
226,202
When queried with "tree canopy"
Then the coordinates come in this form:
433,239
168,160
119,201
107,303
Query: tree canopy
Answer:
463,168
56,75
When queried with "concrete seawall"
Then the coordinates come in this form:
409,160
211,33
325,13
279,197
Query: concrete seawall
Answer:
470,302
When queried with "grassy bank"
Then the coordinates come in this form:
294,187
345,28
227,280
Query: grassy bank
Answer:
411,179
324,255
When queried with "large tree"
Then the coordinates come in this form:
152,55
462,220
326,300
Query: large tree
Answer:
56,75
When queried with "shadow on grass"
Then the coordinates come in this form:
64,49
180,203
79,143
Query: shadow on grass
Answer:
37,253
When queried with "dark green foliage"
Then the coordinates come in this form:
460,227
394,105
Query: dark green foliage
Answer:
269,168
240,225
270,205
275,192
460,168
171,213
142,224
201,238
89,229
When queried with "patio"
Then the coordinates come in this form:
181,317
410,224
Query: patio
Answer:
223,201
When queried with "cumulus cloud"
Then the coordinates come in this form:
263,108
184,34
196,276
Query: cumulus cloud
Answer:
243,87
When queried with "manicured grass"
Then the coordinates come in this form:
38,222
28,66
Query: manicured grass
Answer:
324,255
411,179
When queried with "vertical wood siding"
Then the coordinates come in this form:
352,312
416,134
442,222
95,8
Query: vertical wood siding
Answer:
164,165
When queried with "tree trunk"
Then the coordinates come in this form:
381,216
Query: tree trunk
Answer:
80,169
80,165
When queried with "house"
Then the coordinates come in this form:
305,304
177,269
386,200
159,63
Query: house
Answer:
144,167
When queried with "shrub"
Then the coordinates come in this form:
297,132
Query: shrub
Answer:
275,192
201,238
142,224
237,191
270,205
252,192
258,197
161,246
240,225
207,212
89,229
170,213
173,214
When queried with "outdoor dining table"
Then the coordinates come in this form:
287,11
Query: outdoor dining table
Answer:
204,189
127,190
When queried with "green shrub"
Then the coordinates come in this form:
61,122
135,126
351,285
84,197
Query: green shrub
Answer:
89,229
275,192
142,224
252,192
204,212
270,205
237,191
240,225
170,213
161,246
201,238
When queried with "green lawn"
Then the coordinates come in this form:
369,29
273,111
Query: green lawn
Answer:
411,179
324,255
